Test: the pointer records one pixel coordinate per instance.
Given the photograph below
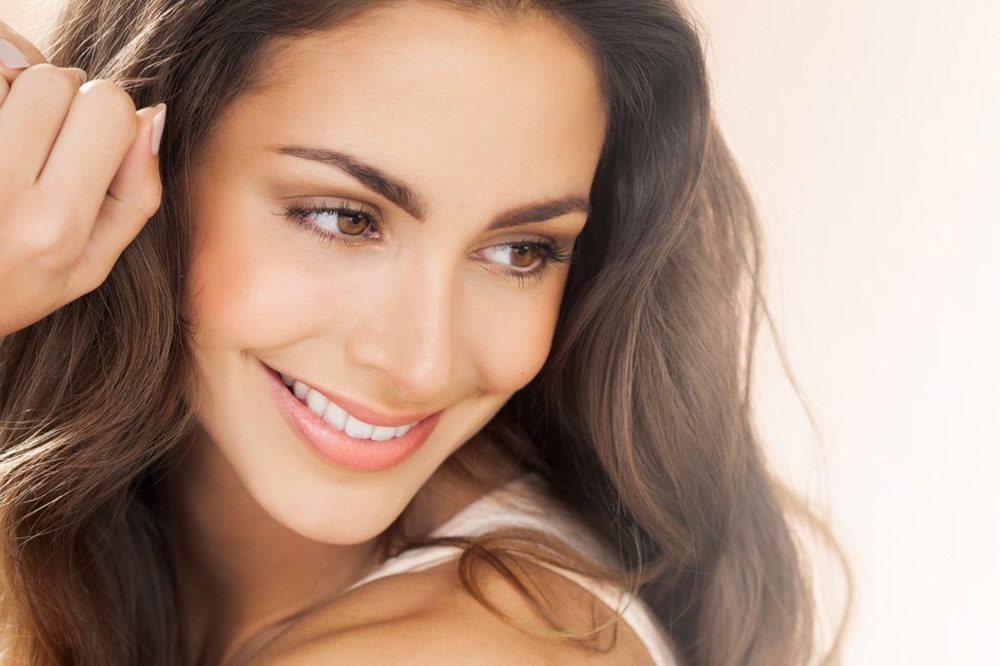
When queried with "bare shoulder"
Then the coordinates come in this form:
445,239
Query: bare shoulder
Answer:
430,618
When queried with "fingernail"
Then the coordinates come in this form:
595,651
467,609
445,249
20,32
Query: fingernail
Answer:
82,73
11,56
158,120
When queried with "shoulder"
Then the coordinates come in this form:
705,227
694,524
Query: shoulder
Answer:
430,617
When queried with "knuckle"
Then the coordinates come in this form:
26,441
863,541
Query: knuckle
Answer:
47,248
50,77
94,278
143,207
151,200
48,242
111,97
142,202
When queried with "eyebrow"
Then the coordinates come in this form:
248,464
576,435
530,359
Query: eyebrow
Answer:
404,196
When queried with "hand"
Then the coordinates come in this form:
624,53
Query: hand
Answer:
78,181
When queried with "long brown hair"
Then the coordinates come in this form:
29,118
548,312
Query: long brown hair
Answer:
641,418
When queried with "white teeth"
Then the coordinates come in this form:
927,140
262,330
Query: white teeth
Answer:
317,402
382,433
335,415
301,390
358,429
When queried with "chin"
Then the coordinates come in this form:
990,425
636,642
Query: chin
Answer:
337,516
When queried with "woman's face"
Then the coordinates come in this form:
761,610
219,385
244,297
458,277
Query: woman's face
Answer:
464,149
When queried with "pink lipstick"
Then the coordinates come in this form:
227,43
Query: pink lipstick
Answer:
337,446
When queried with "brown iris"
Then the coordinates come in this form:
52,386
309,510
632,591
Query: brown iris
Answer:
352,224
524,256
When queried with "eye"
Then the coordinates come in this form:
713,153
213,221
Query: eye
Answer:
527,259
341,222
524,257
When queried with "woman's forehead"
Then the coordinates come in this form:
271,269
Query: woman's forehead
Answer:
442,95
429,58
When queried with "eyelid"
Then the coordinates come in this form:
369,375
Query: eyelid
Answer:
333,202
524,238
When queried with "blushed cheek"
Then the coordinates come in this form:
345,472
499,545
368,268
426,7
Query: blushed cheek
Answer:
244,293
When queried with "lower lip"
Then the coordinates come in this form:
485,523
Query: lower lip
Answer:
337,446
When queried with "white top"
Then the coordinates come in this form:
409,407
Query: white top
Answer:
523,503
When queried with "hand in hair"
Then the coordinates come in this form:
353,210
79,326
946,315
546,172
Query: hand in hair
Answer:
79,178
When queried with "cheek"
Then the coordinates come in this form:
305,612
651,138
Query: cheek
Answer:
243,289
511,338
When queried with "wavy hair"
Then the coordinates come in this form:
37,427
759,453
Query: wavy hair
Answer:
640,419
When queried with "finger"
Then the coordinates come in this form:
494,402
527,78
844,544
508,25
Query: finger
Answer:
30,120
4,89
99,128
133,198
16,53
11,58
33,55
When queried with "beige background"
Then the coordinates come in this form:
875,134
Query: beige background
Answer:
869,132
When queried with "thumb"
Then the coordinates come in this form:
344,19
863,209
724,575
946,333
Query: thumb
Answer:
134,193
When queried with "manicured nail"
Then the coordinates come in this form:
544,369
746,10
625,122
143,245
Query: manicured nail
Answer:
82,73
158,120
11,56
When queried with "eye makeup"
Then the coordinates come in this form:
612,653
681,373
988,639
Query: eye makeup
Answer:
336,224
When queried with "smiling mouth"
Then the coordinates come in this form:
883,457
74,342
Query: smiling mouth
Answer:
354,420
357,445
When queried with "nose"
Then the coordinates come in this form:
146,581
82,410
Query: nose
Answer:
408,331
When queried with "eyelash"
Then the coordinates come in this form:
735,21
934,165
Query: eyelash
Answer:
301,215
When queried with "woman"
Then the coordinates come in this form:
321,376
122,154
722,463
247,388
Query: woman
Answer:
430,350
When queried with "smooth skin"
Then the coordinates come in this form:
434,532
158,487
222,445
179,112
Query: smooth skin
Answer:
478,117
64,226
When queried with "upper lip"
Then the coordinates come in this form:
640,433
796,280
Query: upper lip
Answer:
361,412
